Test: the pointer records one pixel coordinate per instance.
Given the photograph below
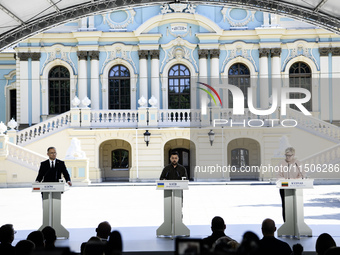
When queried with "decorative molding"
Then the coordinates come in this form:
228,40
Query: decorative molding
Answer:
154,54
178,8
239,51
119,25
215,53
82,55
94,55
325,51
143,54
179,49
203,53
24,56
275,52
264,52
236,23
56,52
299,49
118,51
336,51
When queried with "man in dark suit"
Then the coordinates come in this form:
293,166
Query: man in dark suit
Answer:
51,169
269,244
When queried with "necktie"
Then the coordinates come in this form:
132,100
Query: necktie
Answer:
52,164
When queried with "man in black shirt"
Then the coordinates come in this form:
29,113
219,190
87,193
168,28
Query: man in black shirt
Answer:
174,171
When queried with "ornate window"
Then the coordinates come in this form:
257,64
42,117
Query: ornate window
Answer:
59,90
179,87
239,157
239,76
300,76
119,88
120,159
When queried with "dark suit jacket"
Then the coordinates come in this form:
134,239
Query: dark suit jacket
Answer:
47,174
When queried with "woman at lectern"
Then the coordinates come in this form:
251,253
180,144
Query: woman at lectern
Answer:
290,168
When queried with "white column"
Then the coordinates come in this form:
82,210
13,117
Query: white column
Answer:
203,77
324,83
266,19
35,88
91,23
335,80
82,75
276,70
214,69
155,75
264,89
83,24
22,109
143,74
94,56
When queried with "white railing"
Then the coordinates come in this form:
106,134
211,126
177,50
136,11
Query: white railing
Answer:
112,118
314,125
228,114
183,118
328,156
46,127
25,157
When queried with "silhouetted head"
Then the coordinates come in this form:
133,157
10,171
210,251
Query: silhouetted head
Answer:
37,238
114,244
323,243
268,227
249,244
217,224
49,235
24,247
7,233
103,230
297,249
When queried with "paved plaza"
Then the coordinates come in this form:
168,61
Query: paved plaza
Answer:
136,210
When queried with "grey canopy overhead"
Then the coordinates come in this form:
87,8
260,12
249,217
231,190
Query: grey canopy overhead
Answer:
20,19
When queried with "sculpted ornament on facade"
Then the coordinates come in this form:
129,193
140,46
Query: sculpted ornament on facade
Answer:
118,53
58,54
178,8
239,52
232,21
179,51
300,50
130,13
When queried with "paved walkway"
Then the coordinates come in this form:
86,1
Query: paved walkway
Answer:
137,210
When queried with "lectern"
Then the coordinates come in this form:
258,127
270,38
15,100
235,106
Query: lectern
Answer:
295,224
173,201
51,192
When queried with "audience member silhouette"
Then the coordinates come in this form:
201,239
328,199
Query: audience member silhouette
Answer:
250,244
114,246
224,246
6,238
269,244
323,243
37,238
333,251
24,247
94,246
217,227
103,231
50,237
297,249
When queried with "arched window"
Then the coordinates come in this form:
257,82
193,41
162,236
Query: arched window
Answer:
239,76
59,90
300,76
120,159
119,88
239,158
179,87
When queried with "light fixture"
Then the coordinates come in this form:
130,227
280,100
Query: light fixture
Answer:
147,137
211,135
